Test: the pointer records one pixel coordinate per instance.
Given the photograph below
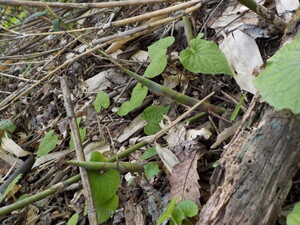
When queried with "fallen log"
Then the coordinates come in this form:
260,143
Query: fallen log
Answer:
254,174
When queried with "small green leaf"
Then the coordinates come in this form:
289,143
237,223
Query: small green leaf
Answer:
153,115
279,83
137,97
204,57
73,220
7,125
157,54
200,35
183,210
293,217
149,152
47,144
10,187
156,67
97,157
22,197
56,25
151,170
151,128
167,214
102,100
159,48
37,14
82,133
237,108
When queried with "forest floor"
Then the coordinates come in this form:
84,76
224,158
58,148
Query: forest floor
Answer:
33,60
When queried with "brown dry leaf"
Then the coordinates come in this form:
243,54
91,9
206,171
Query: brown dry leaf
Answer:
134,214
184,179
32,215
10,146
167,157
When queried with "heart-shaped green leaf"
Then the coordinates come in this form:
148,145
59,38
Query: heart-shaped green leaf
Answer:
279,83
204,57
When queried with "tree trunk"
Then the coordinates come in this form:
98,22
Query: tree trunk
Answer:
255,172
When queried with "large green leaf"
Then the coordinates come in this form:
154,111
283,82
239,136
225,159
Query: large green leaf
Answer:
104,187
47,144
293,217
183,210
204,57
106,209
279,83
137,97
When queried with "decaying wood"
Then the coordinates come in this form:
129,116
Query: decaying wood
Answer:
255,172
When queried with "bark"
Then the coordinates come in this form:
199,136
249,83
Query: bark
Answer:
255,172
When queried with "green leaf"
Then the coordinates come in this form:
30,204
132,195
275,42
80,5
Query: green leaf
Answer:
153,115
151,170
156,67
104,187
279,83
183,210
293,217
159,48
204,57
157,54
73,220
167,214
37,14
102,100
237,108
137,97
47,144
22,197
151,128
149,152
10,187
82,133
56,25
7,125
97,157
105,211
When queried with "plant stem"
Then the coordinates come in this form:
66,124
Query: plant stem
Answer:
187,29
122,167
184,99
34,198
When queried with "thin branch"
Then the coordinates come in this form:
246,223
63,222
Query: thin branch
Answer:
79,151
82,5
